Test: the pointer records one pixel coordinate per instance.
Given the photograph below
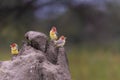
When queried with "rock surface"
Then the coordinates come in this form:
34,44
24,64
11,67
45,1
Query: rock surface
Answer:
38,59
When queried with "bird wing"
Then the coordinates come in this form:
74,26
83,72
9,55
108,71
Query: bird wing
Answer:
59,42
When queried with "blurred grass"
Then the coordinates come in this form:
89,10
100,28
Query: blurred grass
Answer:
95,63
5,56
90,63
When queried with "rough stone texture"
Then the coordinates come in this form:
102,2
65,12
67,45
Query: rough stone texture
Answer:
37,40
37,60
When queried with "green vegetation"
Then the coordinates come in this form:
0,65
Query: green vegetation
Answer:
5,56
99,64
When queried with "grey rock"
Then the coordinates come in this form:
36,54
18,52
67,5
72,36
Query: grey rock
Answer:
34,63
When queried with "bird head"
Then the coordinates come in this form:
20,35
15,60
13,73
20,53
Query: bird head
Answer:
13,45
54,29
62,38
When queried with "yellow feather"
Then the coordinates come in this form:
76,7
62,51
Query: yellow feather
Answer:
53,36
14,50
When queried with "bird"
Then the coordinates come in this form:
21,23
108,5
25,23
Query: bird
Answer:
53,33
60,42
14,49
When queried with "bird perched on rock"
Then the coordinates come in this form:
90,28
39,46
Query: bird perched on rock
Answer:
53,33
60,42
14,49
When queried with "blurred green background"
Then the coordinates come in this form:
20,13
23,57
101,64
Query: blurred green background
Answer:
92,28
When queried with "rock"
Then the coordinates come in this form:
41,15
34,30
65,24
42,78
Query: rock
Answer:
38,60
38,40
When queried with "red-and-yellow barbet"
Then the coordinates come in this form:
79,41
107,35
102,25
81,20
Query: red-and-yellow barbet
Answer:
60,42
53,33
14,49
